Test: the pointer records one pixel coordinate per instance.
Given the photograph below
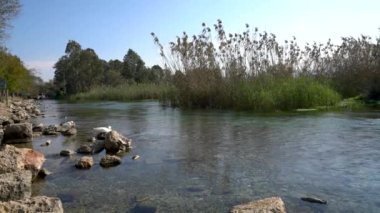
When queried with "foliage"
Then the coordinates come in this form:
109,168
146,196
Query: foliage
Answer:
18,78
260,94
124,92
78,70
81,70
252,70
8,10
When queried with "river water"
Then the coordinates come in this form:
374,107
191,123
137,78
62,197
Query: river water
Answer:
208,161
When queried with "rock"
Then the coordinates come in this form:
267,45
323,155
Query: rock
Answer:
18,133
98,146
92,139
115,142
67,125
36,112
13,159
50,130
47,143
38,128
68,128
19,115
43,173
33,204
69,132
85,149
66,152
15,185
314,200
135,157
6,123
85,163
273,205
37,134
110,160
32,160
101,136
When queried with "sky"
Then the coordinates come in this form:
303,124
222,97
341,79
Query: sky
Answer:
42,29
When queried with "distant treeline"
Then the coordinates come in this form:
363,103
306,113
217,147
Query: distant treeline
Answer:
215,69
80,70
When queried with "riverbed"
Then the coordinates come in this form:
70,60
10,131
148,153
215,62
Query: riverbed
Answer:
208,161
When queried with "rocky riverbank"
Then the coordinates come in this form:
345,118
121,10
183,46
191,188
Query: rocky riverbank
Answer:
19,167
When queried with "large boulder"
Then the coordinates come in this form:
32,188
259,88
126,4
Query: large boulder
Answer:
18,133
85,163
272,204
110,160
32,160
15,185
13,159
33,204
116,142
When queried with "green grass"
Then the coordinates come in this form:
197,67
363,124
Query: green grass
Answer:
260,94
125,92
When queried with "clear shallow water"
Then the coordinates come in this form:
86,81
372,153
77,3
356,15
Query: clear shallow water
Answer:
208,161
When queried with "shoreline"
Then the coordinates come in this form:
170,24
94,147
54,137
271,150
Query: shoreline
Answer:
20,167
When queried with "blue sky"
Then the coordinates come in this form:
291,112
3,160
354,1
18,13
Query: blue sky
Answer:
110,27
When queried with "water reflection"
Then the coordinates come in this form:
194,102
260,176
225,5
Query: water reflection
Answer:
200,161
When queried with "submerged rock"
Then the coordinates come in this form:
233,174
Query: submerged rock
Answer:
110,160
15,185
272,204
85,149
66,152
34,204
314,200
85,163
18,133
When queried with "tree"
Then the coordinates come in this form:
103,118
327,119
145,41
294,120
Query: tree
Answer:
112,73
18,78
78,70
8,10
133,66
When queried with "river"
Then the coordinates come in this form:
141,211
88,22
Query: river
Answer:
208,161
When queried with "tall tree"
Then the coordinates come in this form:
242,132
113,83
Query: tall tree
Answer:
78,70
8,10
134,66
